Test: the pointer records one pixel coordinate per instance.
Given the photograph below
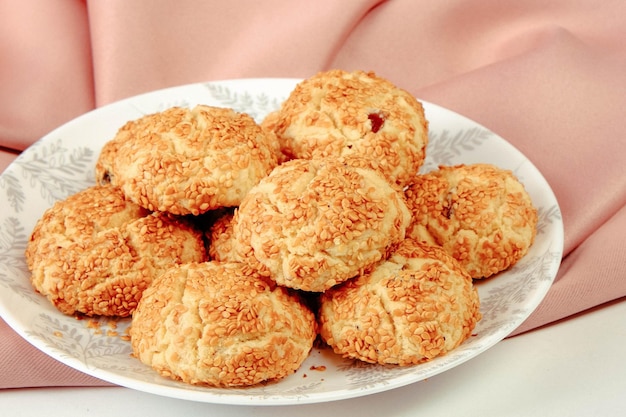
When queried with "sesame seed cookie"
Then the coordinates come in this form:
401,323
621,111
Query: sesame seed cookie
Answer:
340,113
221,324
95,252
480,214
188,161
417,305
221,238
312,224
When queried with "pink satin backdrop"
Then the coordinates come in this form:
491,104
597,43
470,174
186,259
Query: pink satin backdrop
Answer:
550,77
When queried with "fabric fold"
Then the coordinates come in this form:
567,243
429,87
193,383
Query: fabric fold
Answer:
591,275
24,366
548,78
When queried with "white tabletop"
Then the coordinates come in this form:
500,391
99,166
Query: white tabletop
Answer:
573,368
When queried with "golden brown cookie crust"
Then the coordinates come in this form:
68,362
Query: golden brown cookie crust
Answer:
221,324
95,252
340,113
188,161
315,223
80,217
417,305
479,213
222,243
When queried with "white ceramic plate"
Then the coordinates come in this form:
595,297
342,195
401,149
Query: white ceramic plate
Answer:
62,163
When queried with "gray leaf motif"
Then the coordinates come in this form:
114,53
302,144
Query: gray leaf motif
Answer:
15,195
362,375
56,171
72,342
257,106
510,297
444,147
13,240
547,216
299,391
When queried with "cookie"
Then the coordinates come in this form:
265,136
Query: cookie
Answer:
480,214
188,161
221,238
95,252
416,306
312,224
221,324
340,113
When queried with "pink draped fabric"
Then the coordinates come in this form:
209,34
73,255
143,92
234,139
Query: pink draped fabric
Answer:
550,77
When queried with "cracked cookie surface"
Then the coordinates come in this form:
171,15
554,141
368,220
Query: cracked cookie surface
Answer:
417,305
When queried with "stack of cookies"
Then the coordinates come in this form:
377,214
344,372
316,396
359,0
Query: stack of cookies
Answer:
234,245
